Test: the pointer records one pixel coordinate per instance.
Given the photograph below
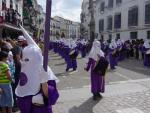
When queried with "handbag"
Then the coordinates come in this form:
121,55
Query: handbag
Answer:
73,54
101,66
40,99
115,53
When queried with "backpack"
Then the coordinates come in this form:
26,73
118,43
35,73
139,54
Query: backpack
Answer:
73,54
101,66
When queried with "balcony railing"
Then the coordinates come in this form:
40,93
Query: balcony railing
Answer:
10,16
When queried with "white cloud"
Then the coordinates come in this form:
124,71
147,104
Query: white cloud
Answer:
69,9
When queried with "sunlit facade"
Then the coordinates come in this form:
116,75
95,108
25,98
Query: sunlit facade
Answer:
126,19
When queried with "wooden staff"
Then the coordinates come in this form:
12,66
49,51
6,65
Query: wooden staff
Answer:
47,33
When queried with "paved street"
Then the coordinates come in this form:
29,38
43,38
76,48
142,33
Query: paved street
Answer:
127,89
111,28
127,70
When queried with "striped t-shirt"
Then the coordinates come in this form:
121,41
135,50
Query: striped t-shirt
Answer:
3,69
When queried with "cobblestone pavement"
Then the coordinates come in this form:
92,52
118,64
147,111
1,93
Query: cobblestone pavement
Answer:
127,88
124,97
129,97
140,101
127,70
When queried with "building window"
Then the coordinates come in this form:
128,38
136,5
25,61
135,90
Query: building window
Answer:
102,37
147,13
110,36
117,36
102,8
11,4
17,7
110,3
101,25
117,21
133,35
118,2
109,21
133,17
3,4
148,34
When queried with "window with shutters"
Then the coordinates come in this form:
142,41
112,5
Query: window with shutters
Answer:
147,13
148,34
3,4
17,8
109,23
101,25
110,3
133,35
133,16
118,36
110,36
11,4
102,37
102,7
118,2
117,21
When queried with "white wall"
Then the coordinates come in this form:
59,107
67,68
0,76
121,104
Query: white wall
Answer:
123,8
87,19
19,2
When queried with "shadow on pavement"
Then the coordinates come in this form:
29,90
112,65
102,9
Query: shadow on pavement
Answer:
86,107
135,65
62,74
60,64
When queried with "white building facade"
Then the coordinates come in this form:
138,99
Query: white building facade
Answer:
62,26
54,29
85,19
125,19
67,28
11,14
74,30
14,4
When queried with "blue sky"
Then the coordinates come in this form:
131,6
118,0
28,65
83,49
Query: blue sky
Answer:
68,9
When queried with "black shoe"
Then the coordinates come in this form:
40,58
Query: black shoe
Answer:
74,69
67,70
99,95
95,97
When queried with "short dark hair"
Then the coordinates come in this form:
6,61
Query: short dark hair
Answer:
3,54
5,48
